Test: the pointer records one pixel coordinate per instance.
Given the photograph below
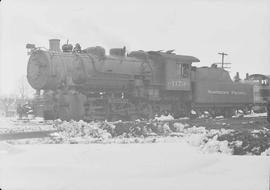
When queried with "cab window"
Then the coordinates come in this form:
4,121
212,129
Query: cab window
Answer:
182,70
265,82
185,70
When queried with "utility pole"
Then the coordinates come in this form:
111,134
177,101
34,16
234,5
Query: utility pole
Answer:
222,55
222,60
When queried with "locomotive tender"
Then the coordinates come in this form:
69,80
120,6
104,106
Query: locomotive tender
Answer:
88,84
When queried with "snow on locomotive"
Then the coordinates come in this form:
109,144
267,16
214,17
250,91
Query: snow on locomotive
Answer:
88,84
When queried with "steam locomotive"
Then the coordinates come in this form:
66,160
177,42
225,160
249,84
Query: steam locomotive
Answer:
75,84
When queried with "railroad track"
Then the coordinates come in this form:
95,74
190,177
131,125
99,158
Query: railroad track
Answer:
25,135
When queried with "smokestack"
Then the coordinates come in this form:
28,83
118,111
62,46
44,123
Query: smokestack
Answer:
54,45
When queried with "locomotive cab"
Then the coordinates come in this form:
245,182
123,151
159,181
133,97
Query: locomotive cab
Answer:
178,72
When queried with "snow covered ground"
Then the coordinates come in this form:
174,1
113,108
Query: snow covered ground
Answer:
87,156
128,166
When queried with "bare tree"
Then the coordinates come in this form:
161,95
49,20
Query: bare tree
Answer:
24,89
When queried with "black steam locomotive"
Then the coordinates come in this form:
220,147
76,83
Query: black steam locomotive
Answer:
88,84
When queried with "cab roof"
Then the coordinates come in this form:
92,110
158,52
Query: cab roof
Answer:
178,58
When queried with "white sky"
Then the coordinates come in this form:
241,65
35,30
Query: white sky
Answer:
200,28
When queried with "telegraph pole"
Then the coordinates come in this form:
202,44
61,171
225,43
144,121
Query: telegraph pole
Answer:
222,60
222,55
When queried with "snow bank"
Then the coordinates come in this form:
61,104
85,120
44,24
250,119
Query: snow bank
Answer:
138,132
73,132
256,114
164,118
214,146
224,141
266,152
206,140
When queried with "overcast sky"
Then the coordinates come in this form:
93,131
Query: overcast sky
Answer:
200,28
